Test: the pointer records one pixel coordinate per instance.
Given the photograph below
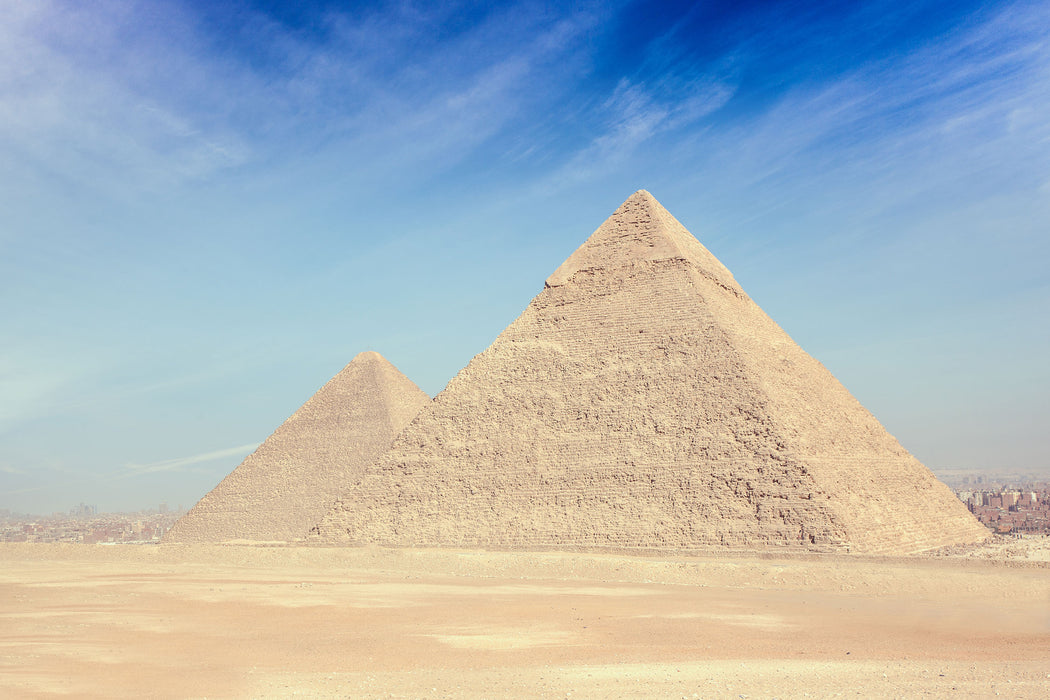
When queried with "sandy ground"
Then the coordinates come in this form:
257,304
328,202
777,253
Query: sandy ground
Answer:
240,621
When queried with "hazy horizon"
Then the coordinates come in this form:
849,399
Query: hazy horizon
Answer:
945,474
209,209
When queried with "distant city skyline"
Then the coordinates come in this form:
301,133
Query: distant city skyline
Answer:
208,209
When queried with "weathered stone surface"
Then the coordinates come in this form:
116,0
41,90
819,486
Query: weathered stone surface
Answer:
292,479
643,401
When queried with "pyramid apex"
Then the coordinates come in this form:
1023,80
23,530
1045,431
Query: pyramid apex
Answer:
645,200
368,356
640,230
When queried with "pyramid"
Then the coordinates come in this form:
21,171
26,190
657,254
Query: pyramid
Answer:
643,401
289,482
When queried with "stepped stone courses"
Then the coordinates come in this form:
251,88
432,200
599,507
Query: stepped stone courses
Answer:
643,401
292,479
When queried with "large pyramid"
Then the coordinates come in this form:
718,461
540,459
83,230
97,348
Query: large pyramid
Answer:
289,482
643,401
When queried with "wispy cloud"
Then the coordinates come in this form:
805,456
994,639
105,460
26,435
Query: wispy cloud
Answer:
178,463
79,103
634,114
148,102
440,104
78,478
968,83
962,105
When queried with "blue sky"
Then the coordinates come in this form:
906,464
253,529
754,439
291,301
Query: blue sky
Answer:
207,209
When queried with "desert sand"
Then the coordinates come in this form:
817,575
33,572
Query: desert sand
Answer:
251,621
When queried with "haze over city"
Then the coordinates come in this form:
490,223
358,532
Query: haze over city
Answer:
208,211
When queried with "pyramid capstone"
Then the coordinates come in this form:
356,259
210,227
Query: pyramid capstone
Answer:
643,401
293,477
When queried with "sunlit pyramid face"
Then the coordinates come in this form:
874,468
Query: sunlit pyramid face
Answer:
643,400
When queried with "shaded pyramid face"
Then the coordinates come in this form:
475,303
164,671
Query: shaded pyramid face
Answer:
643,401
292,479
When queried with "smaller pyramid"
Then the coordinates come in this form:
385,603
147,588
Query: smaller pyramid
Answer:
290,481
